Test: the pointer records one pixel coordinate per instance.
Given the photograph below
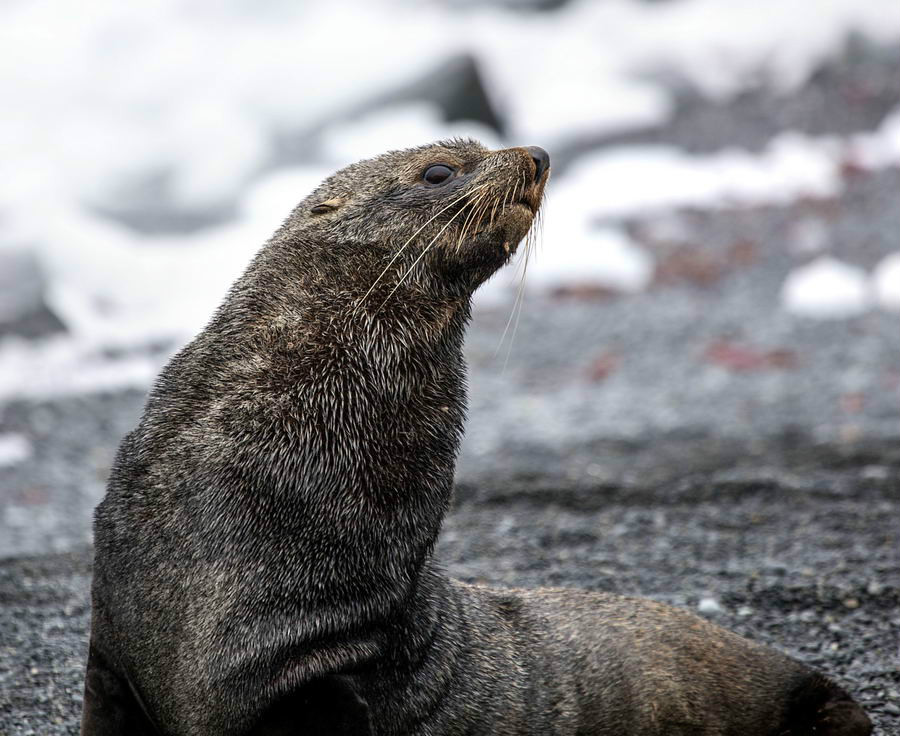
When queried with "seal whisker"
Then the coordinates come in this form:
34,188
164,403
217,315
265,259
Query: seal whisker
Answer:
517,307
520,301
477,215
467,223
424,252
482,213
493,212
508,323
413,236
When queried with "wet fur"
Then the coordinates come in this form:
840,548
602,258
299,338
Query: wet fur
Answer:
263,553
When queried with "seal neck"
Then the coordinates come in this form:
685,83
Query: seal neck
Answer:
348,423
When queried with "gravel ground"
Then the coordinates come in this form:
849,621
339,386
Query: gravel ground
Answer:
803,556
690,443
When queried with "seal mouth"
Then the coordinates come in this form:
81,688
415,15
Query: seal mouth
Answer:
531,199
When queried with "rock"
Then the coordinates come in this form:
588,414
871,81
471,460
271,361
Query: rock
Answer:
23,310
709,606
149,205
525,6
456,87
740,358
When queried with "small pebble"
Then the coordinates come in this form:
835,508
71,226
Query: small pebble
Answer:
874,587
875,472
709,605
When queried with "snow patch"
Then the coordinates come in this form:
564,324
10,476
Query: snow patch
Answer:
886,282
397,127
879,149
15,448
598,60
585,256
60,366
633,180
184,95
828,289
272,198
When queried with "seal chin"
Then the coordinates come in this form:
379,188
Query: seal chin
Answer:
527,205
515,222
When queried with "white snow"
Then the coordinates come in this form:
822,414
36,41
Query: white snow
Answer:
827,288
634,180
62,366
879,149
575,253
121,93
118,93
114,286
396,127
14,449
271,198
597,59
886,282
581,256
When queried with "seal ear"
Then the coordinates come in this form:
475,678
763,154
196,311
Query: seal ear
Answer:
327,206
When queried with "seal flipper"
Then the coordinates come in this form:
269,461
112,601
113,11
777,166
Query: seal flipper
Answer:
818,706
111,706
329,705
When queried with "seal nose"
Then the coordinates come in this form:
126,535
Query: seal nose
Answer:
541,161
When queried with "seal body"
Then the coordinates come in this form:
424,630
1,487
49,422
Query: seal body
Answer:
263,553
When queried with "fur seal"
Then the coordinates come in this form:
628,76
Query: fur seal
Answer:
263,555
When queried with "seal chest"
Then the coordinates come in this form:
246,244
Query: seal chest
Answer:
264,550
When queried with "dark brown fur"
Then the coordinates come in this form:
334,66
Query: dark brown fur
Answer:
263,553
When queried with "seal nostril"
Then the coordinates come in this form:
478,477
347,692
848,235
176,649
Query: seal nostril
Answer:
541,160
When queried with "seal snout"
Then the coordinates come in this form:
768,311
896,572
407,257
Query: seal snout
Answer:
541,161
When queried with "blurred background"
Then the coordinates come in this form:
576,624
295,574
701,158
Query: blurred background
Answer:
709,157
722,232
721,247
697,396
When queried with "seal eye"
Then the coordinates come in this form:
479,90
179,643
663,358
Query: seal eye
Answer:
437,174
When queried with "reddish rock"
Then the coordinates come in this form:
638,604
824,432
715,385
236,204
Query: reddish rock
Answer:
603,366
743,358
585,291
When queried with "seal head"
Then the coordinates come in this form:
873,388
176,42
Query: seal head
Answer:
439,218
